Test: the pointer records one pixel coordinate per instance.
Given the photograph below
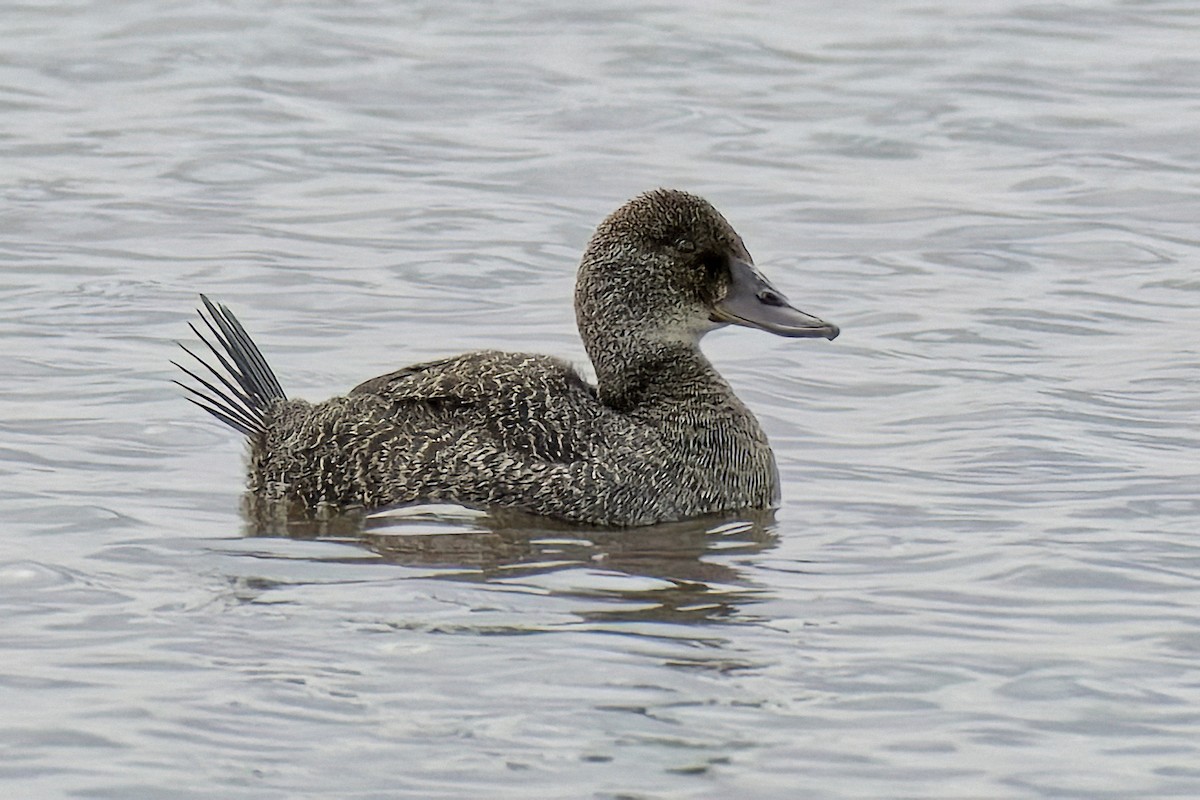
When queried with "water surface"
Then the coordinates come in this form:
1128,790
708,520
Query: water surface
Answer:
985,576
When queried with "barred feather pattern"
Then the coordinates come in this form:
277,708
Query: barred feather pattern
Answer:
513,430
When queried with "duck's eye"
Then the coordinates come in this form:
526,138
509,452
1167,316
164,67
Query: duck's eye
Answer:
716,268
685,246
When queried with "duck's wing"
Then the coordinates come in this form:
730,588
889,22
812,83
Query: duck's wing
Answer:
517,402
486,429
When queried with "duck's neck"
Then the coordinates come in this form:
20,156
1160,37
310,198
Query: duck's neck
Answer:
644,376
720,455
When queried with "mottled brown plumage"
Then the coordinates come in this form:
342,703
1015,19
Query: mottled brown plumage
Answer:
661,437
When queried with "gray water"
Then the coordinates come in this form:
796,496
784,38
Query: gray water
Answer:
984,580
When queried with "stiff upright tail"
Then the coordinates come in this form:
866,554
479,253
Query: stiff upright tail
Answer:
248,386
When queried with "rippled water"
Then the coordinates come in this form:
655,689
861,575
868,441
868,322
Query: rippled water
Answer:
985,578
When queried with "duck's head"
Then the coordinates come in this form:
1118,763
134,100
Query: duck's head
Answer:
666,268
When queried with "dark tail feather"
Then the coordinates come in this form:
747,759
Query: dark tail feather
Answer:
247,384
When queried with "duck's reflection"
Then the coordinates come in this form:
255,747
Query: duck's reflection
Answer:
679,571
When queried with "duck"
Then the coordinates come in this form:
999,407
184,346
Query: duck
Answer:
659,436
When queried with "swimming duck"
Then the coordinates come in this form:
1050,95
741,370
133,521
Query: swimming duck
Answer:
659,437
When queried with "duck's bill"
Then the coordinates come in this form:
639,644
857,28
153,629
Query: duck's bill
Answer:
753,302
